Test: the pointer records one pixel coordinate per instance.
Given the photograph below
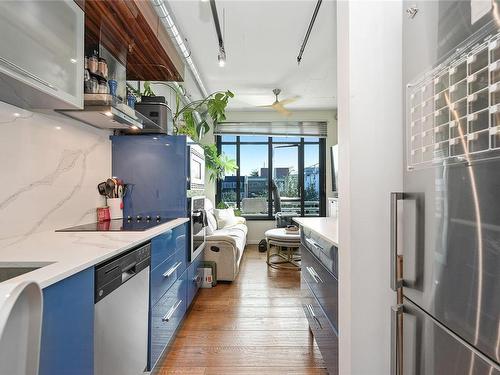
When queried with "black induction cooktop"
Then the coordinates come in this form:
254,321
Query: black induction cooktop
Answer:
119,225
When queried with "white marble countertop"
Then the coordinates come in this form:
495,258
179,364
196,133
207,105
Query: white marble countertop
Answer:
326,227
68,253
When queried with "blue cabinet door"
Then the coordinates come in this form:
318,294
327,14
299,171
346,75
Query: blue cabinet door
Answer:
166,316
67,345
194,279
155,169
168,243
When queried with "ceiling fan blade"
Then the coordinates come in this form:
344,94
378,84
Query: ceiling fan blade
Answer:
289,100
279,108
265,106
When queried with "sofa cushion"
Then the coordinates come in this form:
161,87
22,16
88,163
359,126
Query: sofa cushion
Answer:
225,217
237,232
212,223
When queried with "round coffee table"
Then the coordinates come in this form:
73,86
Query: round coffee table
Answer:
287,245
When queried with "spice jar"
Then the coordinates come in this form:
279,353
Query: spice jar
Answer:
103,87
103,67
93,85
93,64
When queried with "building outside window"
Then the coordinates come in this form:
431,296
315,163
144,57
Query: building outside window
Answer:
296,166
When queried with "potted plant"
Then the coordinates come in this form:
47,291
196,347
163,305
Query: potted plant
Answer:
195,119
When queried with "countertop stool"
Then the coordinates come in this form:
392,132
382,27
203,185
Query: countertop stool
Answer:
287,246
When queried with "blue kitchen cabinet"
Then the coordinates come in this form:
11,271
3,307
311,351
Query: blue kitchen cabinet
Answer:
67,344
168,243
166,316
154,167
194,278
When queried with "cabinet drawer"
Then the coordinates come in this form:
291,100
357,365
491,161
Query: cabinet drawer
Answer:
324,251
194,279
322,283
165,318
323,332
166,244
163,276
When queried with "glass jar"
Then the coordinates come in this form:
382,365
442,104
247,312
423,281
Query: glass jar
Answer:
103,67
93,85
93,64
103,87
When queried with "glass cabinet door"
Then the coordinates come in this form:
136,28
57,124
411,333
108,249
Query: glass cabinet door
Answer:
42,46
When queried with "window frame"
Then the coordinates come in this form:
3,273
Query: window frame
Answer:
270,143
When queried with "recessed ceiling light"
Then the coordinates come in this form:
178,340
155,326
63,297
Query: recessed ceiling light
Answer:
73,61
155,138
108,113
57,127
16,114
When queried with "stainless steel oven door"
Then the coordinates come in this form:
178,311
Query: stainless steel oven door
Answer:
196,167
198,232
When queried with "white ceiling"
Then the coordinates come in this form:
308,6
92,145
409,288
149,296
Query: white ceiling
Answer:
262,41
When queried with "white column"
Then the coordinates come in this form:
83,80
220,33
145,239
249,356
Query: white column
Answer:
370,124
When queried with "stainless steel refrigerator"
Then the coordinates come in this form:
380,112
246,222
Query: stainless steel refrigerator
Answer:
445,225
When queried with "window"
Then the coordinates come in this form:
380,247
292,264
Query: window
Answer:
296,166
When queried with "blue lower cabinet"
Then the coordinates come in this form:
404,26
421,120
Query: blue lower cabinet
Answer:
163,276
166,316
166,244
194,279
67,344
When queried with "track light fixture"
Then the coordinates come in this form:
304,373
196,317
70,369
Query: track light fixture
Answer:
222,51
308,32
222,57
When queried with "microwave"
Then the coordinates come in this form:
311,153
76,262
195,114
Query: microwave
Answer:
196,167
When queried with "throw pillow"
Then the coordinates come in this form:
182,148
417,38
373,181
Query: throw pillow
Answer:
212,223
225,217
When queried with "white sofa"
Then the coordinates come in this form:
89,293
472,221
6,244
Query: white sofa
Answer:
226,241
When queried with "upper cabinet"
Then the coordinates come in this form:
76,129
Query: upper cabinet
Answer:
133,33
41,54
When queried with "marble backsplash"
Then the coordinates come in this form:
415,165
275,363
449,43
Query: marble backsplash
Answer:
50,167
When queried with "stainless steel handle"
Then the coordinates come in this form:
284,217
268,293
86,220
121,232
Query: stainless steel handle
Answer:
396,313
314,275
26,73
395,281
172,270
171,312
313,243
311,311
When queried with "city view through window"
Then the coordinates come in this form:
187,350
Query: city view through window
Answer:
291,163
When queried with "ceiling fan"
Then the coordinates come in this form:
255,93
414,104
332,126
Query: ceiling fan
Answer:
279,105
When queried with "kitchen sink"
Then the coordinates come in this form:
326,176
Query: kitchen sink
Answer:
10,270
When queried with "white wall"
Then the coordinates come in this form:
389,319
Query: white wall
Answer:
256,228
370,148
50,168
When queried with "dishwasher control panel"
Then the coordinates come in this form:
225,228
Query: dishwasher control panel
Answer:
112,273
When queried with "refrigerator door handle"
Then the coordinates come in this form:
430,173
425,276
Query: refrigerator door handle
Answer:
396,339
396,282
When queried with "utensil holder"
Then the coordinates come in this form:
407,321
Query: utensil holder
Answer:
115,208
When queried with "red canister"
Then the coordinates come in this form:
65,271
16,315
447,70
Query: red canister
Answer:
103,214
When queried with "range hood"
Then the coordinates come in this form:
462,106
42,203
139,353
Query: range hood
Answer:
107,112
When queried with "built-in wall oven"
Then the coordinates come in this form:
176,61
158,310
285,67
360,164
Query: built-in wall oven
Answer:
198,225
196,167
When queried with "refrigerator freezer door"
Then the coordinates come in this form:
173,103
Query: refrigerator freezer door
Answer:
429,349
451,210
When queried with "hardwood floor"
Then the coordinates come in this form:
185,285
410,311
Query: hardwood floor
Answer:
254,325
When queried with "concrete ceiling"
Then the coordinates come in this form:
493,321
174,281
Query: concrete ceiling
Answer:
262,41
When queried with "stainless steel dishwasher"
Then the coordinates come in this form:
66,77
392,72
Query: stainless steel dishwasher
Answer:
121,313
